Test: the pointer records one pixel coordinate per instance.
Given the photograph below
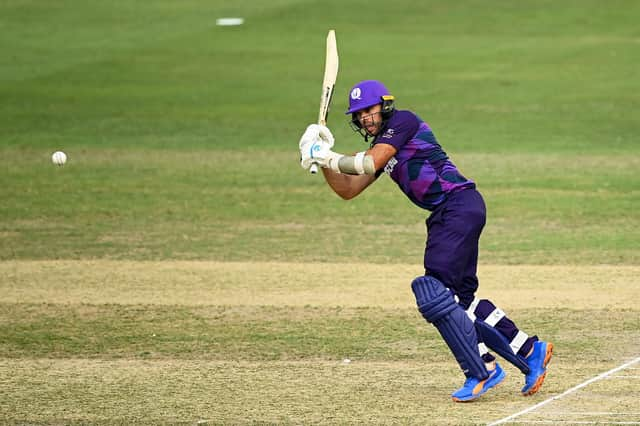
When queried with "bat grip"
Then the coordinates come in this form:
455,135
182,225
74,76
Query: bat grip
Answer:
314,167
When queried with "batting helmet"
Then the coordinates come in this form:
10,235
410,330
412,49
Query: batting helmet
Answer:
368,93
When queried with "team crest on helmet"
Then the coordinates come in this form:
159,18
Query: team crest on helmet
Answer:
356,93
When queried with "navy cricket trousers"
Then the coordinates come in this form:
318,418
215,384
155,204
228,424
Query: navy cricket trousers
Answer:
453,234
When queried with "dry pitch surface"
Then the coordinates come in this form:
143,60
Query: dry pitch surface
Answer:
242,343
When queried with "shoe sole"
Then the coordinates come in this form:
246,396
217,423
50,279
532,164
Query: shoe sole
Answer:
480,394
536,387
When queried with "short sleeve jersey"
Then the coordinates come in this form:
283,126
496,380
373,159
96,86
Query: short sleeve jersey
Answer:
420,167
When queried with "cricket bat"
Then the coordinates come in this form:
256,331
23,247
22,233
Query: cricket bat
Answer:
328,83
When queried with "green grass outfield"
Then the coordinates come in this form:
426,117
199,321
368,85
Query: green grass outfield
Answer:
182,144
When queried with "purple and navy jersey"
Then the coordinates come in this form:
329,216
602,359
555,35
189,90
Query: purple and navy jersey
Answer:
420,167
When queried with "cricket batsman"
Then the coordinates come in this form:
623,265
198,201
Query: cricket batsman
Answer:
404,147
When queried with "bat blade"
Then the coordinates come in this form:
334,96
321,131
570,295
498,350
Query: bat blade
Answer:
328,82
330,77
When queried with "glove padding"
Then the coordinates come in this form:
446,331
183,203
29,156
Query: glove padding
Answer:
317,152
315,146
317,131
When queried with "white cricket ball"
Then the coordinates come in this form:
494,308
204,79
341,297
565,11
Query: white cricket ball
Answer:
346,361
59,158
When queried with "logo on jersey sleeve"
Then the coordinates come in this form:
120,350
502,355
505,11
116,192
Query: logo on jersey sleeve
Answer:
388,169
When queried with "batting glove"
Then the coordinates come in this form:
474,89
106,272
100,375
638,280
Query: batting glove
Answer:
325,135
313,152
315,132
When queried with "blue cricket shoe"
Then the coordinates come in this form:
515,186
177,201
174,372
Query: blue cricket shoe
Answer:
474,388
537,362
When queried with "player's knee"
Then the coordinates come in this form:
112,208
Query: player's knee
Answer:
465,302
433,299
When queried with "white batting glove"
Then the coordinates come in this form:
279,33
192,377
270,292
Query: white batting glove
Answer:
319,153
311,134
315,146
315,131
313,152
326,135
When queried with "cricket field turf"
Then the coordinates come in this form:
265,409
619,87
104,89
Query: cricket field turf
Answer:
181,268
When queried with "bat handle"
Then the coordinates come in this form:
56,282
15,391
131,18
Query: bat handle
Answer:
313,169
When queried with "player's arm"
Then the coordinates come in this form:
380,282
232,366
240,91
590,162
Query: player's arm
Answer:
347,175
348,178
347,186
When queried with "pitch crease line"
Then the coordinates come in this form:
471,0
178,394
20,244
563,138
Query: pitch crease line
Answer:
570,422
590,413
565,393
624,377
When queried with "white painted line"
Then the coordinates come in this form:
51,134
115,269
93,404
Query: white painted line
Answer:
570,422
589,413
565,393
226,22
